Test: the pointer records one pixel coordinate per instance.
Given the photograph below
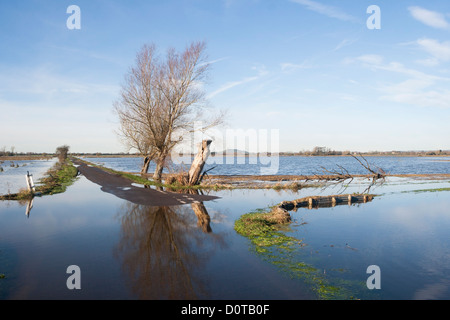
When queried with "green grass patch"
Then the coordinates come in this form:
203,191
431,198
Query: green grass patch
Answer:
427,190
265,229
58,178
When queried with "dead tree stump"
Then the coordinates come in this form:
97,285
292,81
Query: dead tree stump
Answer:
199,161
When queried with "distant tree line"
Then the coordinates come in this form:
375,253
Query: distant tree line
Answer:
324,151
61,153
4,152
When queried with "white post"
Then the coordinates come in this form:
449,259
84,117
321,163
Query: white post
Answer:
30,183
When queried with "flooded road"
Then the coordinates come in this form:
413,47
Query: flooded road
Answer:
191,251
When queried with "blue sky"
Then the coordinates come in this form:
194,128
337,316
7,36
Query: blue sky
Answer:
311,69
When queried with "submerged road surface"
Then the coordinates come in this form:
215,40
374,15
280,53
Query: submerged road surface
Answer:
125,189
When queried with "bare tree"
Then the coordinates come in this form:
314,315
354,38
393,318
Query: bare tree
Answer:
161,99
62,152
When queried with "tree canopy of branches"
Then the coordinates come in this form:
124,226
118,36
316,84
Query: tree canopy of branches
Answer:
62,152
160,100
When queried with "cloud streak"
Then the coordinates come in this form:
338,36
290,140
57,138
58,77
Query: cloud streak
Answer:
419,89
430,18
440,51
329,11
229,85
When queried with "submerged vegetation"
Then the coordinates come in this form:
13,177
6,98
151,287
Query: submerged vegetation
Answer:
266,228
263,229
427,190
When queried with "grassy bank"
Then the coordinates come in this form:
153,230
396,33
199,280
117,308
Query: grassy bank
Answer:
56,180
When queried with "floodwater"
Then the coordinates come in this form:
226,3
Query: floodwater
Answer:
128,251
12,175
292,165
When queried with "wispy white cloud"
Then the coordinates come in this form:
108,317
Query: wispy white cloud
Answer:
215,60
229,85
371,59
330,11
440,51
344,43
287,66
430,18
42,94
377,62
419,88
261,71
419,92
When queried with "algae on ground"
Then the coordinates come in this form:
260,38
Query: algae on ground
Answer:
264,230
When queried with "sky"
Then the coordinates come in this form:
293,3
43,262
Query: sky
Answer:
305,73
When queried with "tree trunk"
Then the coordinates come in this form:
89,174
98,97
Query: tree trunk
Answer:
159,168
199,161
145,165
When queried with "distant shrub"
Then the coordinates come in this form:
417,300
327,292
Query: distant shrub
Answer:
62,152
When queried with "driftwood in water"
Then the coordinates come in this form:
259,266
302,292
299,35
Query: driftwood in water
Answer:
199,161
326,201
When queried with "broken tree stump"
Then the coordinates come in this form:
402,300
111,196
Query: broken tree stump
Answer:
199,161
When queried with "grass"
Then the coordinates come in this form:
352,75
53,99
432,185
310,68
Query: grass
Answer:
427,190
264,229
58,178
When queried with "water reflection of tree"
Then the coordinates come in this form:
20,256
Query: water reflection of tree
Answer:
163,252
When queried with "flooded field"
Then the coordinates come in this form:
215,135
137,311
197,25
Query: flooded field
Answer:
13,172
129,251
290,165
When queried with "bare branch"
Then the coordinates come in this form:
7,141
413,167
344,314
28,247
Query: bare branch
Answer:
160,100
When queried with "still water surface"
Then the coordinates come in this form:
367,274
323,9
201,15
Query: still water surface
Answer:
293,165
128,251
